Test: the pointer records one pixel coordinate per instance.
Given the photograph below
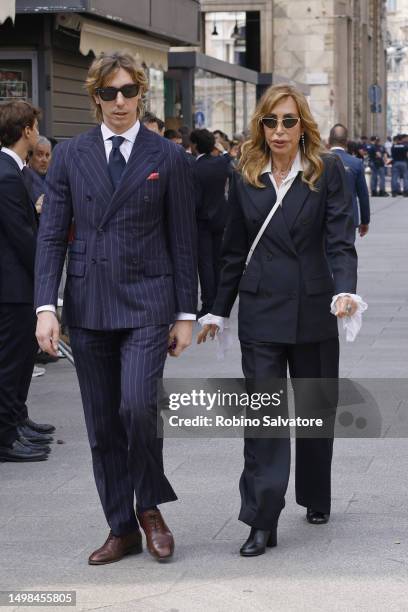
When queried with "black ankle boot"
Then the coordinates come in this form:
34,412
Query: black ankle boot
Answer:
317,518
257,542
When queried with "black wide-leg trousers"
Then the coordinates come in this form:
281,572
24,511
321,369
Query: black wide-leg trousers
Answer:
265,476
118,373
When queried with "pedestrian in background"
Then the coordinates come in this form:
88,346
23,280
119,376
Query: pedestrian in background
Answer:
399,155
212,173
38,162
377,157
20,438
153,123
354,168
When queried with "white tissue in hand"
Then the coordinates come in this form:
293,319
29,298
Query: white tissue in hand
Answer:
351,325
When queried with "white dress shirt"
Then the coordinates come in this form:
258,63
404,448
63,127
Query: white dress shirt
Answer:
14,155
125,149
351,324
126,146
286,183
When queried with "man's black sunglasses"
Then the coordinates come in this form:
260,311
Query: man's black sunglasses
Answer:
107,94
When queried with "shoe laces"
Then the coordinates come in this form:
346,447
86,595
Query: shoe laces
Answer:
154,520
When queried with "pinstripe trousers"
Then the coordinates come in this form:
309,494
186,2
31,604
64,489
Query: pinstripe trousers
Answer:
118,372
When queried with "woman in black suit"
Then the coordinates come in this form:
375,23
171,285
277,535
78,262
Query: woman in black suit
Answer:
305,257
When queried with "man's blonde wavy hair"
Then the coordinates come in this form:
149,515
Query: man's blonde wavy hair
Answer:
256,152
104,66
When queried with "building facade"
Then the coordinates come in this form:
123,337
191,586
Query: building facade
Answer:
337,47
46,51
397,63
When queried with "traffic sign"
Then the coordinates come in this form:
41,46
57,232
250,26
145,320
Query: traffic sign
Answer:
374,94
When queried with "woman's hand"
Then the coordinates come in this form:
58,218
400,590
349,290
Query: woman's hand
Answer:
345,306
207,329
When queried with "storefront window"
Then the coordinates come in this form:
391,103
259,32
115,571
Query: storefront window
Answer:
214,102
155,95
16,81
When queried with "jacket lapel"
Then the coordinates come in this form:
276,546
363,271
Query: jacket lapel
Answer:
144,159
294,200
263,200
91,161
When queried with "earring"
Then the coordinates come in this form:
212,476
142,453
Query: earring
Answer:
302,139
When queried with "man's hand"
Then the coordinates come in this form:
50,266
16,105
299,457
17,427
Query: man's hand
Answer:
363,229
345,306
207,329
48,332
180,337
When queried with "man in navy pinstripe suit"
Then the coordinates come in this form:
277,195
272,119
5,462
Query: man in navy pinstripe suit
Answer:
131,272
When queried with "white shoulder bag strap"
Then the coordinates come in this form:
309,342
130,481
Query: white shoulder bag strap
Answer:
263,228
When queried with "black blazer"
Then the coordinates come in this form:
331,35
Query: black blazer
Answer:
211,175
18,234
305,256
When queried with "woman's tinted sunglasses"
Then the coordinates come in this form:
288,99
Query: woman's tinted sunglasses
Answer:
287,122
108,94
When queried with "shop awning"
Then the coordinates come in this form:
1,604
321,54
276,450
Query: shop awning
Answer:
7,9
99,37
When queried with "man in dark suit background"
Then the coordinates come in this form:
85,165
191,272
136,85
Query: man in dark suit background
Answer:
18,234
38,162
212,174
354,168
131,273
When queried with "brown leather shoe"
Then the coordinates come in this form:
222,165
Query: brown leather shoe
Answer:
117,547
159,538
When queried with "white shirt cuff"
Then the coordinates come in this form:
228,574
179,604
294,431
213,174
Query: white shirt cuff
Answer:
185,316
351,325
210,319
223,336
46,308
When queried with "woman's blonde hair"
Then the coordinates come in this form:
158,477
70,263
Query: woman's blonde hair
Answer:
104,66
256,152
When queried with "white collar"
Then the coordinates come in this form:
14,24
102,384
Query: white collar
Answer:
129,135
200,155
334,148
296,167
14,155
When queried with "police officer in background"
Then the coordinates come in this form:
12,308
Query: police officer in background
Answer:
377,157
399,154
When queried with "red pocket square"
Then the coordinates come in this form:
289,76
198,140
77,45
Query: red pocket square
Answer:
153,176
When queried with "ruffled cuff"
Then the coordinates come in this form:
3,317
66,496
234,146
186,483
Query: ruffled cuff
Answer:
352,324
223,337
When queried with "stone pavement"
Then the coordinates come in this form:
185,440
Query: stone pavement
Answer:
50,518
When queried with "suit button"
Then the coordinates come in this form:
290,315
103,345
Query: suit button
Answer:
100,230
146,199
93,261
88,198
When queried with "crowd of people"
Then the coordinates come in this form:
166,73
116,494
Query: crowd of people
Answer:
388,158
